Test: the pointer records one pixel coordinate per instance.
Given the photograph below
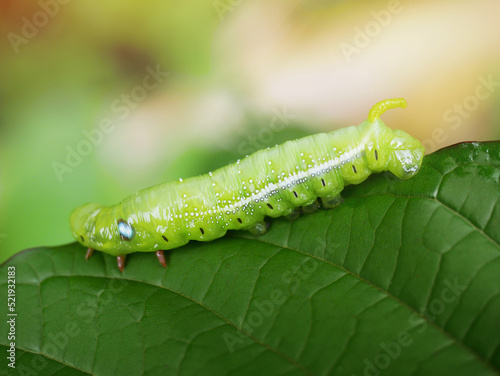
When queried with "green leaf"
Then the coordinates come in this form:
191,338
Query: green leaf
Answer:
402,279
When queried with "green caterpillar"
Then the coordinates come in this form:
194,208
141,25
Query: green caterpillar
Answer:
271,182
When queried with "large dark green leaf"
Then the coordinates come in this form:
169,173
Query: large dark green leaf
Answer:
402,279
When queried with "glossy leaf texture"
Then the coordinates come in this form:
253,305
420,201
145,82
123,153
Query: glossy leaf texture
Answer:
402,279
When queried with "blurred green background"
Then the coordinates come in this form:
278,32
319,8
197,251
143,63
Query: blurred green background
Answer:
184,87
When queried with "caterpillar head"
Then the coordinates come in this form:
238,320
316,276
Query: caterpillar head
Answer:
405,155
392,150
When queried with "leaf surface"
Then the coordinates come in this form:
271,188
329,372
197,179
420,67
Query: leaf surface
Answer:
402,279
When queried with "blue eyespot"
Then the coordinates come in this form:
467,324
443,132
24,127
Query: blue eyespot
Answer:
126,231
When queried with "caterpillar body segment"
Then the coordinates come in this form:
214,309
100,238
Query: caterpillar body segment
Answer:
269,183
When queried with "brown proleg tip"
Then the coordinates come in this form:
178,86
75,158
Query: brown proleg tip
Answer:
121,262
161,258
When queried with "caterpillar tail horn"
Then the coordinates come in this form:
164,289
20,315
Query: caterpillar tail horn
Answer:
379,108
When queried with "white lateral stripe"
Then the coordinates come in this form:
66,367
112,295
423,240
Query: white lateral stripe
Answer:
297,178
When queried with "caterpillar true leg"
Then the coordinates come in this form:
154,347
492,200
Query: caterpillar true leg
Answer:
260,228
330,202
90,251
121,262
161,258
